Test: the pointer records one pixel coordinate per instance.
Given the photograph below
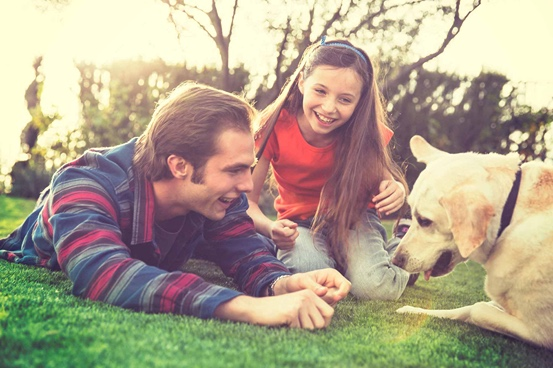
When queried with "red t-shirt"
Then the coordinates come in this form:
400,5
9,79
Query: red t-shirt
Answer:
300,169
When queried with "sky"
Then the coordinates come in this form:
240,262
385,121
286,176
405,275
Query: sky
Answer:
512,37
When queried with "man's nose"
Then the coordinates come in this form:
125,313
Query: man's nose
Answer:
246,182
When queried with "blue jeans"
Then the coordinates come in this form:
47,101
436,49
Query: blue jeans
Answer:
369,267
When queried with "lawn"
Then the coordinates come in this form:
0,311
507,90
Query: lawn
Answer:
43,325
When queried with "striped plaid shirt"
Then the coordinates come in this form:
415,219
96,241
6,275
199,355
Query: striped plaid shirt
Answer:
95,222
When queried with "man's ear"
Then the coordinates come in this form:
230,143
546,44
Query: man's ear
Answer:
178,166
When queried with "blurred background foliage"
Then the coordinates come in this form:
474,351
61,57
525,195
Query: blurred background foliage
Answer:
455,113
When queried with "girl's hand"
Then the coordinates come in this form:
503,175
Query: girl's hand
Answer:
391,197
284,233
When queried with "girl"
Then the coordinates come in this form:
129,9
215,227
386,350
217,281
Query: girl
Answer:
325,137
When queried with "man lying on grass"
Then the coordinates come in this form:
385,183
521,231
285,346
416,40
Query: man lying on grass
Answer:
122,221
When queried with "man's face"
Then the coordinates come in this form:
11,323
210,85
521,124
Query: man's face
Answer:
226,175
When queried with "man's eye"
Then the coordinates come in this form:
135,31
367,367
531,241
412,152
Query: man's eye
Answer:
424,222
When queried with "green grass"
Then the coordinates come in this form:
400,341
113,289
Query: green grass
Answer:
43,325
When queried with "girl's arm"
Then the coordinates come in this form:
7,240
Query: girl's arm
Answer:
282,232
391,195
262,223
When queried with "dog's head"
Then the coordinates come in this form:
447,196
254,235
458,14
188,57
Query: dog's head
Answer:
450,210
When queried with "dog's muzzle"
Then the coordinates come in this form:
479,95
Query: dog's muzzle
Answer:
440,268
399,260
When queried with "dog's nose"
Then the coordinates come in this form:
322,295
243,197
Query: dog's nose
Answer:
399,260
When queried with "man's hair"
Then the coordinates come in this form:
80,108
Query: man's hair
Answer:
188,123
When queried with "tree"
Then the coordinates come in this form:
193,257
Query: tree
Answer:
119,99
30,175
210,21
457,114
392,29
117,102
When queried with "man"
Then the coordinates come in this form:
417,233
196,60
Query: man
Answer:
121,221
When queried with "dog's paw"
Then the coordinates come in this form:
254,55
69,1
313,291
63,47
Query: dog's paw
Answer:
409,309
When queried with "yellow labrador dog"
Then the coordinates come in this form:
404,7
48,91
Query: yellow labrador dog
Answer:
490,209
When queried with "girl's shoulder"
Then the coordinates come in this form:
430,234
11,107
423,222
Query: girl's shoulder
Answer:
286,118
287,125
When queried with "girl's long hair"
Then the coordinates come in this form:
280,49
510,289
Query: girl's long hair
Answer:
361,157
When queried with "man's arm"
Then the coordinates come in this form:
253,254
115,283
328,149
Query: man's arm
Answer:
250,259
242,253
302,309
303,300
82,220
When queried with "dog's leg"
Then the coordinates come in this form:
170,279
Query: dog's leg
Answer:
461,314
487,315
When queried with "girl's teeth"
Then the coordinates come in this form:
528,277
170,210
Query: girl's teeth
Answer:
324,119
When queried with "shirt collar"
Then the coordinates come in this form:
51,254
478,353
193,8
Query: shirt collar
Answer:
144,211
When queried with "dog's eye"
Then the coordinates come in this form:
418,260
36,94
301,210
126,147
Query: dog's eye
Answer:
424,222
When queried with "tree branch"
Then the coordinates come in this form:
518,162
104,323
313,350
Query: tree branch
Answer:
217,25
451,34
267,96
233,16
382,10
334,18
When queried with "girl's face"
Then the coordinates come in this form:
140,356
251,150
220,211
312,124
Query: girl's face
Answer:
330,96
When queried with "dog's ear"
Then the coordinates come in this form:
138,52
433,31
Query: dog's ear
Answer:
423,151
469,213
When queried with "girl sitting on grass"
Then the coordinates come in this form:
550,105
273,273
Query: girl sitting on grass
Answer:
326,138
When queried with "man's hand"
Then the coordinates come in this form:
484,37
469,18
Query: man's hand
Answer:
301,309
327,283
303,300
284,233
390,198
